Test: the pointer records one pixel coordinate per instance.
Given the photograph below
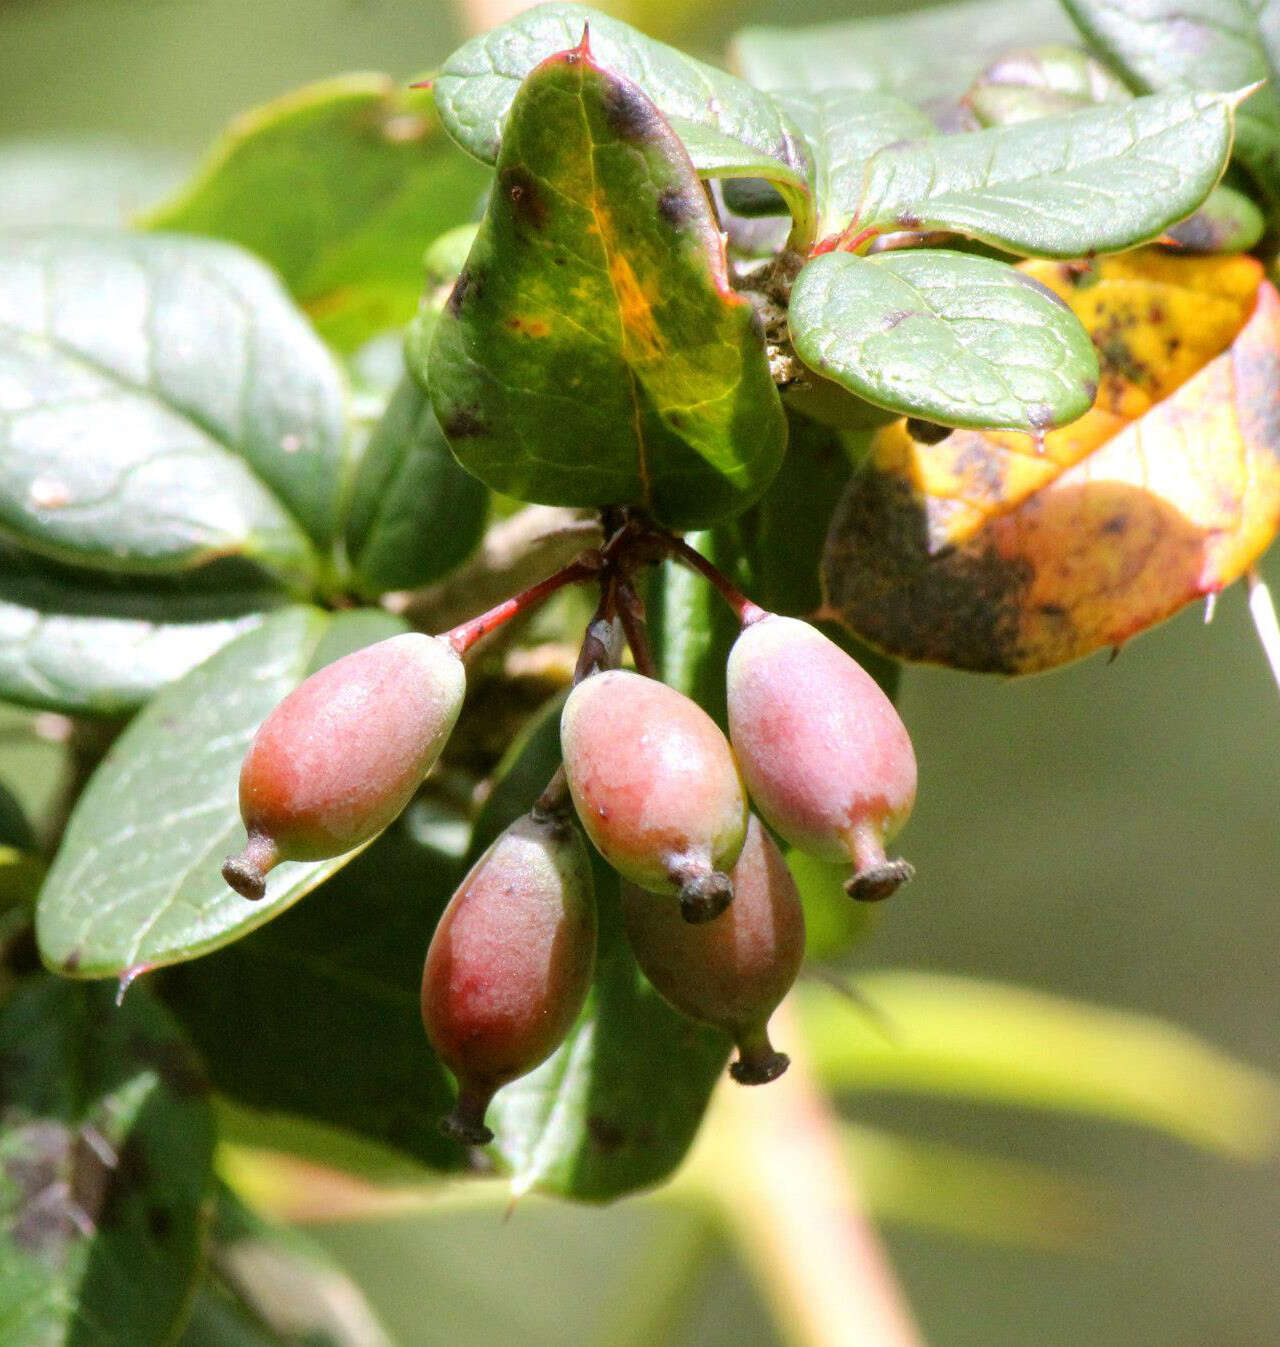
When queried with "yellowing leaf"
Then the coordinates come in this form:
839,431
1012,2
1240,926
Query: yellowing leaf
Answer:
980,554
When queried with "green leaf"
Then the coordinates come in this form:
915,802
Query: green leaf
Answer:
165,404
137,880
592,351
88,643
1042,81
106,1146
958,340
1048,80
926,53
1197,44
617,1105
414,513
333,977
339,186
843,128
964,1038
15,830
86,181
729,127
1098,180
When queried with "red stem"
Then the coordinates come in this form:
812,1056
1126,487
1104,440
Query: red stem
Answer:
746,611
466,634
631,611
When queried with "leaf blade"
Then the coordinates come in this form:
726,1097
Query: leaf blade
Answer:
956,340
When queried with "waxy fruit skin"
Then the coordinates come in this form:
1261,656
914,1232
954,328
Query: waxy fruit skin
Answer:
510,962
656,786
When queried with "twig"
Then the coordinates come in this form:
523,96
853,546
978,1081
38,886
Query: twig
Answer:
466,634
746,611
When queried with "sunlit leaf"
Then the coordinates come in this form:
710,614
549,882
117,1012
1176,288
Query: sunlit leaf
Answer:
592,351
981,553
106,1144
961,1037
137,879
727,125
1097,180
162,403
1197,44
842,129
956,340
339,186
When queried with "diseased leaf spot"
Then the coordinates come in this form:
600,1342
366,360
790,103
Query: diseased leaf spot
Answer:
628,113
522,191
1039,415
676,207
464,424
465,288
893,318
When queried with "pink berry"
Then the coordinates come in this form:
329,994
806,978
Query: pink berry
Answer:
826,758
734,971
656,786
510,963
343,753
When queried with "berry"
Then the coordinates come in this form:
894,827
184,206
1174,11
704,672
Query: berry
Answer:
342,754
510,963
734,971
825,756
656,786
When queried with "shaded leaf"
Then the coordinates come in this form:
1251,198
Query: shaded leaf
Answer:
333,977
90,643
339,186
15,830
106,1144
1042,81
927,53
137,879
978,554
954,339
1048,80
163,404
729,127
960,1037
618,1104
414,514
1097,180
592,351
1197,44
842,129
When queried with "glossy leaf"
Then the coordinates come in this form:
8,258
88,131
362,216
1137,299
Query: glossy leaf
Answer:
1197,44
981,555
956,340
1048,80
106,1146
729,127
927,53
842,129
137,879
592,351
339,186
414,513
333,976
163,404
617,1105
1097,180
90,643
961,1037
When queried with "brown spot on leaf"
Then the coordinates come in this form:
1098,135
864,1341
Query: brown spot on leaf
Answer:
908,220
606,1136
465,288
628,113
1040,415
528,206
677,207
463,424
893,318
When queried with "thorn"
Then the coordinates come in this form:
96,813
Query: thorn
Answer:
1263,612
1114,655
423,84
1210,606
128,978
584,47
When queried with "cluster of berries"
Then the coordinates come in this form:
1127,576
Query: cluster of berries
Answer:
710,908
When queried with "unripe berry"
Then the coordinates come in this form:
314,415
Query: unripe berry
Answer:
825,756
342,754
510,963
656,787
734,971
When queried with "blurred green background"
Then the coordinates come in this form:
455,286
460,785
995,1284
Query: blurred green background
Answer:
1108,832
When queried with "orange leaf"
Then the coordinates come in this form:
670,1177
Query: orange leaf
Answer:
1169,489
